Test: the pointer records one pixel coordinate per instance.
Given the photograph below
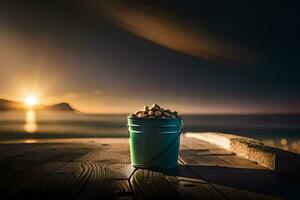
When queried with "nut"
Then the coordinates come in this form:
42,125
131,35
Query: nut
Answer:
155,111
155,105
175,113
146,108
166,114
132,115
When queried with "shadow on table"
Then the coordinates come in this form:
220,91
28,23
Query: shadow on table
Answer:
262,181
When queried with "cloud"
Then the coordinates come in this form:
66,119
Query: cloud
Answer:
170,31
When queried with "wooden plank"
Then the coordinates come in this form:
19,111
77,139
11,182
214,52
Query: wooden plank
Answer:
148,184
27,168
103,170
221,152
114,156
236,194
218,157
116,152
227,170
112,181
190,188
189,185
38,155
237,178
106,189
92,155
10,187
287,187
181,172
7,151
115,159
100,168
24,162
239,162
87,174
229,192
200,158
11,150
119,170
66,182
196,144
200,153
28,177
183,144
109,168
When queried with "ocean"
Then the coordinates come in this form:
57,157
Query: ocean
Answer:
282,131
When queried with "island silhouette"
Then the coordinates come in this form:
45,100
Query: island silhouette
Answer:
7,105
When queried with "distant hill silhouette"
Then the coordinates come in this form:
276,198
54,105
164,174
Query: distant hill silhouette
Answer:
11,105
6,105
61,106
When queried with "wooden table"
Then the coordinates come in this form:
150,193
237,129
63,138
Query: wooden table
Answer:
100,169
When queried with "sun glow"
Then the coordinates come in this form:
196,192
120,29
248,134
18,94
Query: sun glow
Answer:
31,100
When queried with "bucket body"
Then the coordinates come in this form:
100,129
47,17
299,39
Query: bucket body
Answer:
154,143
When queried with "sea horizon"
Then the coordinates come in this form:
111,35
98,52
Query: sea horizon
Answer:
278,130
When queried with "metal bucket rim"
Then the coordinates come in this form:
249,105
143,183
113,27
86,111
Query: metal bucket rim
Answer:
154,119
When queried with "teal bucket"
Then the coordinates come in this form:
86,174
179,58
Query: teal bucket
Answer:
154,143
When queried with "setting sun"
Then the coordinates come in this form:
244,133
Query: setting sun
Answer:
31,100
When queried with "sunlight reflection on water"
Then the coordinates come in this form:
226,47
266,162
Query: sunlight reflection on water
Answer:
30,125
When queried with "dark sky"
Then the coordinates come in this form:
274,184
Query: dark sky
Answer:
196,56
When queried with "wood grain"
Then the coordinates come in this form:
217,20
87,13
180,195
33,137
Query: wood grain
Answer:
22,162
147,184
100,169
86,174
201,158
190,188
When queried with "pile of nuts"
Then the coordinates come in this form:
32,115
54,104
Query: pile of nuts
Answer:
155,111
